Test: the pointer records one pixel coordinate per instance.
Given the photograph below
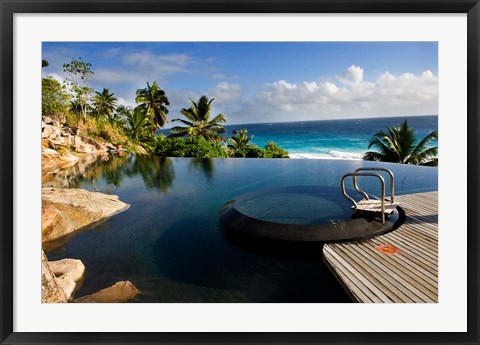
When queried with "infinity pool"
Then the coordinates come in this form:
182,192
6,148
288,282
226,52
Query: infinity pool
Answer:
172,246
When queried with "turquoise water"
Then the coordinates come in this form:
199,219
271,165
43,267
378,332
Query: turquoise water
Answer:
170,242
329,139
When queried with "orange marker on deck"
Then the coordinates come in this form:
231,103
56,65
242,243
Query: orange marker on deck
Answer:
387,249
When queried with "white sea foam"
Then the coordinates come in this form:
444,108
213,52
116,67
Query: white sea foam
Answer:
346,155
330,155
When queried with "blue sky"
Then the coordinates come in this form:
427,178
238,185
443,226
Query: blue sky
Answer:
267,81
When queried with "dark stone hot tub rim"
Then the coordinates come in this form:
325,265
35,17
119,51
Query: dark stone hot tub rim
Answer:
359,228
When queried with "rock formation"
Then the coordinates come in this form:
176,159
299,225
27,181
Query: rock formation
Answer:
51,291
62,278
67,210
57,135
69,274
119,292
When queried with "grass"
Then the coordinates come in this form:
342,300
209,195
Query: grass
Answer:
100,128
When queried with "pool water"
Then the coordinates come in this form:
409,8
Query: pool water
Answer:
170,243
296,205
304,213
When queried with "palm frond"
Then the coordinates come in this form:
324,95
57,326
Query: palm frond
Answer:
421,146
374,156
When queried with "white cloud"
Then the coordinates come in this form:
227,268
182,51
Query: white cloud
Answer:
143,66
157,63
225,92
408,88
353,76
125,102
348,96
116,76
218,76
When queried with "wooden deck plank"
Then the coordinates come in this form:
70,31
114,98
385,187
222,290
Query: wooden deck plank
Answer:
411,275
368,288
395,273
376,206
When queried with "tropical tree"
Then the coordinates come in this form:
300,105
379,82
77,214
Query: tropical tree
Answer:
240,140
120,115
79,73
198,121
139,124
76,107
105,103
54,97
153,101
398,145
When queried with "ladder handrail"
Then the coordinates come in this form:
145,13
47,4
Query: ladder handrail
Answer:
354,175
392,181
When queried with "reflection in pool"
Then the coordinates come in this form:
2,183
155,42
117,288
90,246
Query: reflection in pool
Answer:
170,242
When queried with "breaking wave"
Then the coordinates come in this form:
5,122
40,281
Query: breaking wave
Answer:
330,155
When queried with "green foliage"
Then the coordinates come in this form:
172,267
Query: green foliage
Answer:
119,117
45,63
239,143
201,137
122,111
98,127
153,101
79,73
188,147
139,124
272,150
198,121
54,97
197,146
253,151
398,146
104,104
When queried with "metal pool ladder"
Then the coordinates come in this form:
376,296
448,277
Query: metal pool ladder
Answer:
366,204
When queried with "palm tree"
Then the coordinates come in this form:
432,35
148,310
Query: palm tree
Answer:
199,123
138,122
120,115
153,101
398,146
240,141
104,103
75,107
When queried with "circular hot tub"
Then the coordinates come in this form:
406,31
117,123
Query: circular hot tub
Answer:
303,213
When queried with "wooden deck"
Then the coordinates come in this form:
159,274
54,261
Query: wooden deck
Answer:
376,206
409,275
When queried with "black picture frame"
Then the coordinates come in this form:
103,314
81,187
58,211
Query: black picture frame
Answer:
10,7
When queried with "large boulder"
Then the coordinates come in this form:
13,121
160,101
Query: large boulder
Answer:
89,145
51,132
67,175
119,292
53,160
67,210
51,291
69,274
47,119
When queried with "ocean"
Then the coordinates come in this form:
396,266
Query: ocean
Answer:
347,139
342,139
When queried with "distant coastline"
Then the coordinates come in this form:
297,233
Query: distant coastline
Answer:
331,139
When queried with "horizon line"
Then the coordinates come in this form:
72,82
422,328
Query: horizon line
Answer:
344,119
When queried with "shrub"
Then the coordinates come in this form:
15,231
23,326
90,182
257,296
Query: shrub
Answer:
54,98
253,151
188,147
272,150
